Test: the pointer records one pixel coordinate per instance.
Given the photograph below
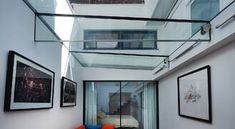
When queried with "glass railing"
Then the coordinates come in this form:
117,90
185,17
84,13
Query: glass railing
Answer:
167,37
53,23
119,61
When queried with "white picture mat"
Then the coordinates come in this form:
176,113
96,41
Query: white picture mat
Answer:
18,105
200,108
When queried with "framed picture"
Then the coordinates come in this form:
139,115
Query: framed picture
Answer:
194,95
28,84
68,93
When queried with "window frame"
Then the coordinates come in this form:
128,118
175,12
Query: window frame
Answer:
120,44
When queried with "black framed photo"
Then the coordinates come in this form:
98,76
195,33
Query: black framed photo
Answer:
68,92
29,85
194,95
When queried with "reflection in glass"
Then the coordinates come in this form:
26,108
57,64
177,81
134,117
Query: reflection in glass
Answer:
123,104
108,103
138,105
120,39
132,111
203,10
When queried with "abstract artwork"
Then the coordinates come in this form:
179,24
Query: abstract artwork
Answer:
68,92
194,95
28,85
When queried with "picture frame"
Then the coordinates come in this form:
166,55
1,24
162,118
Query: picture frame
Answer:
29,85
194,95
68,93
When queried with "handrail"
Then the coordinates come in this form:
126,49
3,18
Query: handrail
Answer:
187,50
226,21
123,18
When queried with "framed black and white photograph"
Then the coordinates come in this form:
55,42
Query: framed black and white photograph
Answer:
29,85
194,95
68,92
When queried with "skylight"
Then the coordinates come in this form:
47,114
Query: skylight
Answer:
102,41
107,1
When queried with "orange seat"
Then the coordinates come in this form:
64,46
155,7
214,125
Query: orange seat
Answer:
108,127
81,127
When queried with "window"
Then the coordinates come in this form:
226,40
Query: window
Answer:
107,1
126,104
120,39
203,10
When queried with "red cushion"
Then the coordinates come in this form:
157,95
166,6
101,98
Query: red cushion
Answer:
81,127
108,126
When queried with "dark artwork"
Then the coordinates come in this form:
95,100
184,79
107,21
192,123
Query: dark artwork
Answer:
69,93
31,85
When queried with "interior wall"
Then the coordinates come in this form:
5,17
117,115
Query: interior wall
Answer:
115,74
17,33
222,89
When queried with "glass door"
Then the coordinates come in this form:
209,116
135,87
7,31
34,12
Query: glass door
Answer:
131,105
102,103
139,105
127,104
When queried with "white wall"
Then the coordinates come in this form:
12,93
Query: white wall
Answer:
114,74
222,89
206,53
16,33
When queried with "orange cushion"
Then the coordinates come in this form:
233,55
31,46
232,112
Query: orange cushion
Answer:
81,127
108,126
